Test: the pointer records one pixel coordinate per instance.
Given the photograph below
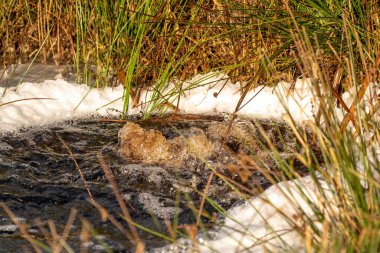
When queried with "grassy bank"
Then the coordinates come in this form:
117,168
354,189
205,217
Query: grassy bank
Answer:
148,43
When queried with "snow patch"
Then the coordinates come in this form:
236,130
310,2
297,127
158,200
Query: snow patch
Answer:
57,100
271,221
54,101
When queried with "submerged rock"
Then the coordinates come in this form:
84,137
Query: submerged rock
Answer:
238,150
139,144
219,143
151,147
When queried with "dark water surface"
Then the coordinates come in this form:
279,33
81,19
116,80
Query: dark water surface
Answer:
39,182
34,73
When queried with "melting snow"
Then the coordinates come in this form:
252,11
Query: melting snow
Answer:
53,101
255,227
269,222
57,100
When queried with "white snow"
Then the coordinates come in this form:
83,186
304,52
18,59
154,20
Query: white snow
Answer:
54,101
265,103
266,222
57,100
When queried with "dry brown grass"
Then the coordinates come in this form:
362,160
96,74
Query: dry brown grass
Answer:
222,37
25,25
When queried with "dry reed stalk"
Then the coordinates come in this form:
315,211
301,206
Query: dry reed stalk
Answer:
24,99
349,116
85,235
23,230
204,199
105,215
58,242
77,167
67,229
120,200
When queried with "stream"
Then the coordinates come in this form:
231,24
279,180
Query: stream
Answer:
40,181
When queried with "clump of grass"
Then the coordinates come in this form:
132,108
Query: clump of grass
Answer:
345,214
150,43
351,156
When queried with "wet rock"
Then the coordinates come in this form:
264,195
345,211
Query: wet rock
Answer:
242,131
236,149
140,144
218,142
151,147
